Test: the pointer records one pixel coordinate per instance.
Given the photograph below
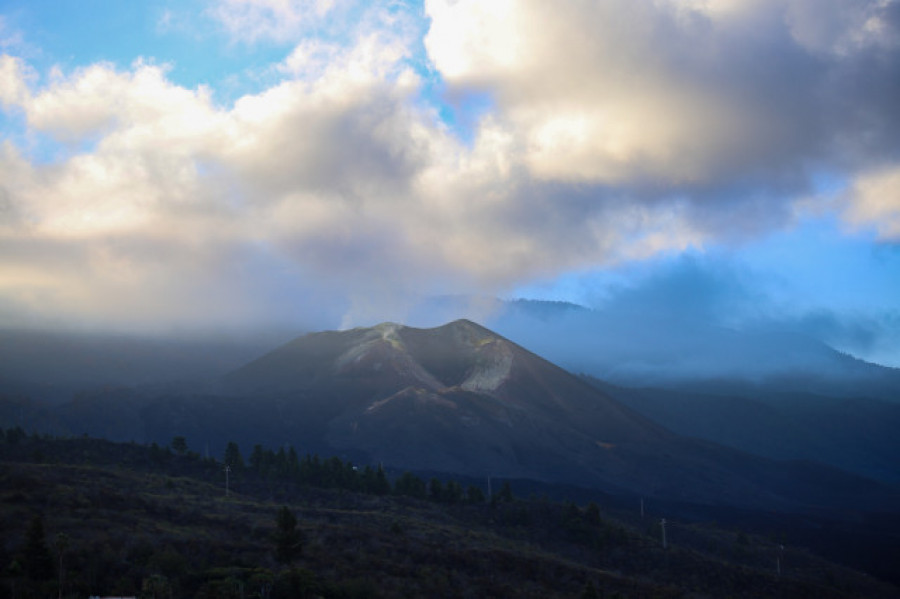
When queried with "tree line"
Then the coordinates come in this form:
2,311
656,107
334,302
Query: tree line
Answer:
286,465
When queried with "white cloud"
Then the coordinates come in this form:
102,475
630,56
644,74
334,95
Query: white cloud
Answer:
674,94
278,20
13,84
873,200
618,130
587,89
348,185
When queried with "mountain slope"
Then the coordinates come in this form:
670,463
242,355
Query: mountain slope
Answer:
456,398
133,513
461,398
856,435
630,346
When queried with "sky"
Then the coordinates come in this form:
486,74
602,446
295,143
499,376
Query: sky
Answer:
174,165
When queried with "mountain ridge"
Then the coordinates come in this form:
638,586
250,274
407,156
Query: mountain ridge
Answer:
460,397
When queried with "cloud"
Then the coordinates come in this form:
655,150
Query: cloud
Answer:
9,38
874,200
13,87
615,131
735,100
694,315
311,182
277,20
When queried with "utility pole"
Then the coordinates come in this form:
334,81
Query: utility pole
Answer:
642,508
489,489
62,543
663,524
227,472
778,560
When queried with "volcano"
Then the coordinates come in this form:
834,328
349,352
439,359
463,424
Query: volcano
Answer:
461,399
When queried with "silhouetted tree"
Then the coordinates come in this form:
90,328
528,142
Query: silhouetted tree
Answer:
293,464
571,516
435,490
15,435
156,586
381,486
592,514
453,492
179,445
233,457
61,545
590,592
411,485
257,459
14,573
505,495
288,541
36,559
474,494
262,580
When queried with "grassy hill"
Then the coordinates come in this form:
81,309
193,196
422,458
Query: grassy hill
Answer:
148,521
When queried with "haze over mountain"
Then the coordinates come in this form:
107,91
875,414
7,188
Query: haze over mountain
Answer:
54,366
311,165
640,346
457,398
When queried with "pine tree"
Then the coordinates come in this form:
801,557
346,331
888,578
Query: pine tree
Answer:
382,486
13,573
590,591
37,562
435,490
453,492
257,458
475,494
288,541
592,514
179,445
411,485
156,586
504,496
61,545
233,457
293,464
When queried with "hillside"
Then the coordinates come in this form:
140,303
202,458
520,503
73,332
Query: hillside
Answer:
146,517
855,434
459,398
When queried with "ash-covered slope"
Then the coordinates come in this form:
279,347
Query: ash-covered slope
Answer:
460,398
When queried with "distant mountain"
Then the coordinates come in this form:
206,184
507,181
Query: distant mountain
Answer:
635,349
54,366
461,399
457,398
856,435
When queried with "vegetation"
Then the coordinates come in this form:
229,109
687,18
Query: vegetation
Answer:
87,517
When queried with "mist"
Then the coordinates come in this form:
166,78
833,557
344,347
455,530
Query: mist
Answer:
691,319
